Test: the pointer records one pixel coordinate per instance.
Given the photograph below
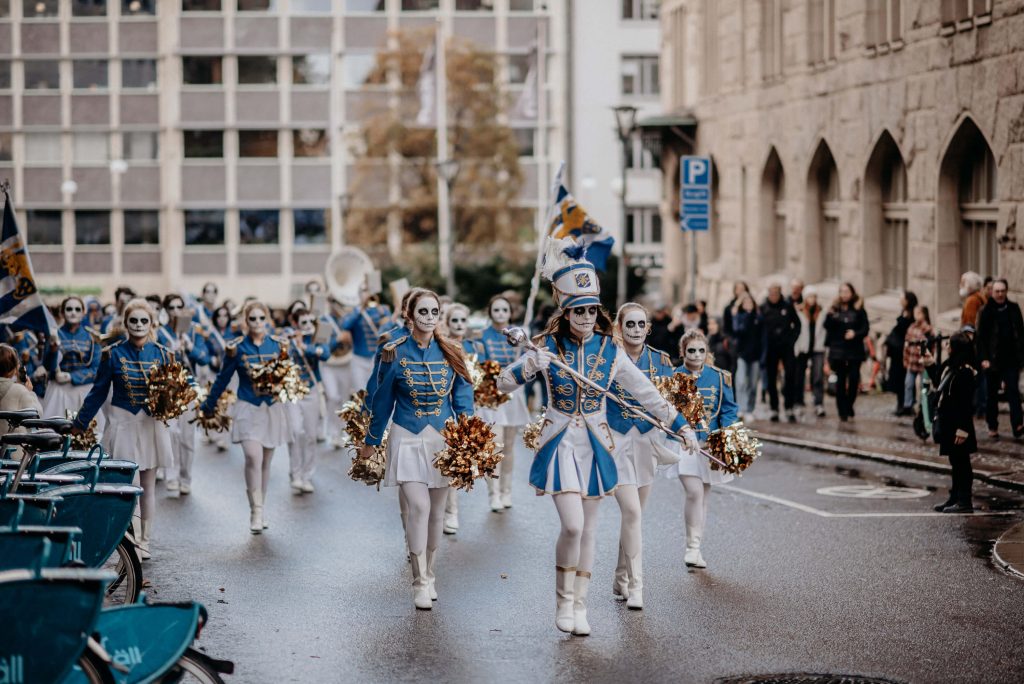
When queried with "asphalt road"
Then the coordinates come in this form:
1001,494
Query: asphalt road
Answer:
798,581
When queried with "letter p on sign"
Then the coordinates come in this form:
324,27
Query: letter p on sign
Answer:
696,171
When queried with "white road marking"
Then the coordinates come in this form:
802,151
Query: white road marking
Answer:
825,514
874,492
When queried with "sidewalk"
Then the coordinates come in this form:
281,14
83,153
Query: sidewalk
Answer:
1009,550
878,435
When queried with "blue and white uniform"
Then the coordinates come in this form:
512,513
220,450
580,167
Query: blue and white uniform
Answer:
720,410
633,436
131,432
514,412
576,440
257,417
79,356
184,431
417,390
305,415
365,325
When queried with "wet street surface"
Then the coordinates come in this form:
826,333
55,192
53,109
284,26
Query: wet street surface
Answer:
817,563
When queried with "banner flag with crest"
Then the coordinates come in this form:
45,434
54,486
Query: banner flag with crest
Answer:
21,306
570,220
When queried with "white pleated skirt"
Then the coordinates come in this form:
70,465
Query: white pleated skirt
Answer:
513,413
634,458
411,457
360,368
693,464
61,398
138,438
267,424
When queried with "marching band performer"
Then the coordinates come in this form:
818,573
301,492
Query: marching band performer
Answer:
131,431
71,377
574,462
192,351
364,324
306,414
260,422
457,323
634,458
423,381
511,415
720,411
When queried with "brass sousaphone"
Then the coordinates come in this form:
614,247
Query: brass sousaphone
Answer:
350,276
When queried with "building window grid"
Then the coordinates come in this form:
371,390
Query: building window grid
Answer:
895,226
831,209
963,15
678,43
771,39
643,227
640,75
883,26
821,32
979,247
639,10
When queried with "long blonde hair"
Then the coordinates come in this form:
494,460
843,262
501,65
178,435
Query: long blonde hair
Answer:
249,306
620,314
135,305
698,335
452,352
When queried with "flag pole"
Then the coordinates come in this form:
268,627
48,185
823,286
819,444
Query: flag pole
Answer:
542,234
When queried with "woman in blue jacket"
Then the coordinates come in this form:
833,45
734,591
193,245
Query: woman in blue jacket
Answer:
305,414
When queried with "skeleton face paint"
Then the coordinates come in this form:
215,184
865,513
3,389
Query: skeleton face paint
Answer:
458,322
256,320
138,323
634,327
501,312
307,325
695,354
582,320
210,295
426,315
73,312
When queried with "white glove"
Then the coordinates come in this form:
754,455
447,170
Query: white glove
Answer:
62,377
690,440
535,361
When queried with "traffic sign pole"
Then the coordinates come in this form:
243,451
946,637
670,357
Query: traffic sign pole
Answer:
694,206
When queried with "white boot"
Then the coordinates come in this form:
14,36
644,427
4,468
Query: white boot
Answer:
564,618
620,584
451,512
296,485
495,495
693,559
635,600
431,588
420,589
579,604
255,511
143,540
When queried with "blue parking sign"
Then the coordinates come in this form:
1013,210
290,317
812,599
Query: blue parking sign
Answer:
695,193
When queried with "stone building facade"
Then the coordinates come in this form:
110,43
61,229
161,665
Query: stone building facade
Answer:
879,142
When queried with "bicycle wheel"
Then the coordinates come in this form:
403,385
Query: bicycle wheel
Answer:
192,668
94,669
125,562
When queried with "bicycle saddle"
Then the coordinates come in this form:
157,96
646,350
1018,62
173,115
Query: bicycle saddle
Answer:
37,441
59,425
15,418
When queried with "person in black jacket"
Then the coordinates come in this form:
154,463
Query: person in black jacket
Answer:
896,377
1000,342
954,421
781,328
846,326
739,289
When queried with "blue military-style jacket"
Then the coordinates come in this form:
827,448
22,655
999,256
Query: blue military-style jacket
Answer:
720,408
418,386
497,348
241,354
126,368
200,352
366,325
655,364
309,361
79,355
474,348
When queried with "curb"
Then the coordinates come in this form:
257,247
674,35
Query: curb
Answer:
888,458
1012,569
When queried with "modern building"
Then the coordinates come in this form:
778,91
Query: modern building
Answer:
614,48
879,142
163,144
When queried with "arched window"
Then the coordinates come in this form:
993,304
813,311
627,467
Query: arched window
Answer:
823,182
979,250
885,218
773,214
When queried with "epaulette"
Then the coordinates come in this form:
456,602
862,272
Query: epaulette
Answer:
665,358
231,346
282,340
389,352
165,352
384,338
107,349
726,376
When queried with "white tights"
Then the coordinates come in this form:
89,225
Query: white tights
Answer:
631,501
695,505
424,515
509,459
147,502
576,541
257,466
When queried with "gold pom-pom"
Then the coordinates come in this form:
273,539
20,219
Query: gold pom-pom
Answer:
87,439
680,389
470,451
357,424
280,378
220,420
485,383
531,433
171,392
356,418
371,469
735,446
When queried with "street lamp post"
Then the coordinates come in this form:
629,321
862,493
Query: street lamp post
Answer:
625,119
448,170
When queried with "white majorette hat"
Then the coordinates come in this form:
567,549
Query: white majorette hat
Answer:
573,281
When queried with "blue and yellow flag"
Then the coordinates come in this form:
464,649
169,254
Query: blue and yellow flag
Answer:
570,220
21,307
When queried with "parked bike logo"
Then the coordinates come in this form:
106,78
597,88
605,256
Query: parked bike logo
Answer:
12,669
129,657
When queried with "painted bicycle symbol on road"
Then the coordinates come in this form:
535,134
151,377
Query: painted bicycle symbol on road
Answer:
874,492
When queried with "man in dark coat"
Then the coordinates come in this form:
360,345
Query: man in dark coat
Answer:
781,328
1000,343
